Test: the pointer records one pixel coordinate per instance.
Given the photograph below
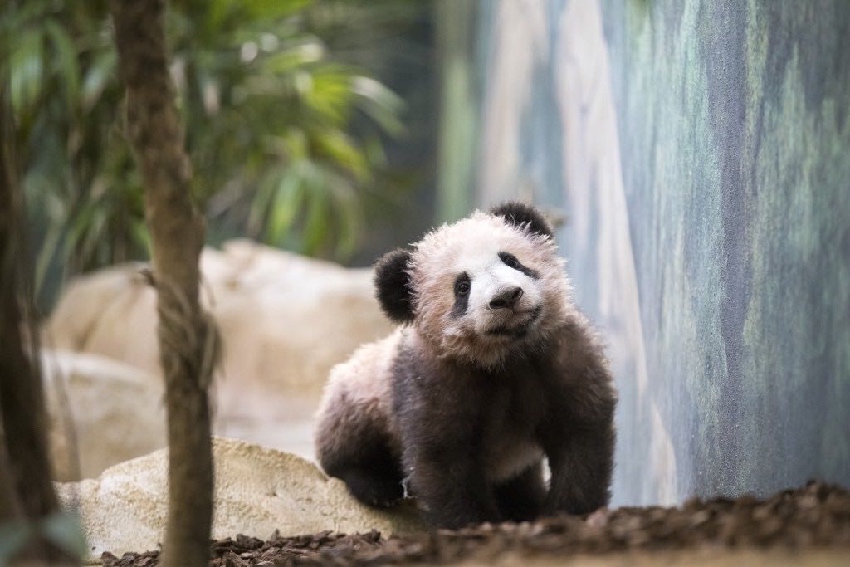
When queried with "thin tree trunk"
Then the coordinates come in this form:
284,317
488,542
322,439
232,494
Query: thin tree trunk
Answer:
177,234
26,491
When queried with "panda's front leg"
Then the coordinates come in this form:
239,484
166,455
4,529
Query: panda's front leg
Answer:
448,478
581,464
440,416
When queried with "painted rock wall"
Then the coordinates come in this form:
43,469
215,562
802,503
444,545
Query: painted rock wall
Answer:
700,152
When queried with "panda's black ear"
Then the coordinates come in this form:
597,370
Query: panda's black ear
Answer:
520,214
392,285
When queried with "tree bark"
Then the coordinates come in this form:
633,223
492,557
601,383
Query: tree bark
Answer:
26,490
177,235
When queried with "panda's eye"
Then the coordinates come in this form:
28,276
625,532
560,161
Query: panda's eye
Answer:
462,284
509,260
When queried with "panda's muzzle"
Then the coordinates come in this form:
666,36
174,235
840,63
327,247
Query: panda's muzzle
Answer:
507,298
520,330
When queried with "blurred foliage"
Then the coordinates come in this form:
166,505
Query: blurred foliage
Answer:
64,530
285,123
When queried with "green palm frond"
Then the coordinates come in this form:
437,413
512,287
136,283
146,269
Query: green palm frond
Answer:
270,92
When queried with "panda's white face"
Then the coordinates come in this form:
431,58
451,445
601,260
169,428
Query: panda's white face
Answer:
496,296
485,288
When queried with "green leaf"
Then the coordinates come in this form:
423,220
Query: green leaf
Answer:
217,13
66,60
339,147
293,145
26,70
274,9
316,223
222,13
263,201
286,204
349,219
329,95
46,254
379,103
291,58
97,77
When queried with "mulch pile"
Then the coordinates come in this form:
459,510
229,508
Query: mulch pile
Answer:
815,516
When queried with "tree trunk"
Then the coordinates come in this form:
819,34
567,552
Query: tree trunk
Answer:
26,491
177,235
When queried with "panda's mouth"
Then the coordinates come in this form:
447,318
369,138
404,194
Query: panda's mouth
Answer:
519,330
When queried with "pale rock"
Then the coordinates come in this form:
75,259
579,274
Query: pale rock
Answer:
285,321
111,313
258,491
100,412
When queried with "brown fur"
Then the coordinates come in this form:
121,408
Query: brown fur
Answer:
465,419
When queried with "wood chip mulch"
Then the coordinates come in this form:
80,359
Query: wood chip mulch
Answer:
813,517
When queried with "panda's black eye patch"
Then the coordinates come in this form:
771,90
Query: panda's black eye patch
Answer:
462,287
511,261
462,284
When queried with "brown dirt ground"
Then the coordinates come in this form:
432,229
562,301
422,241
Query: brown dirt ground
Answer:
810,526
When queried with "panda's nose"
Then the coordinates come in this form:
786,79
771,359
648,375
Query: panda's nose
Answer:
506,298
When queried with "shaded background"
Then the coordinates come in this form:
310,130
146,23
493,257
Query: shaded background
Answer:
700,152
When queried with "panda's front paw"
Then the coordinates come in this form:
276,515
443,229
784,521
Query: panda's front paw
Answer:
382,494
460,513
386,503
374,491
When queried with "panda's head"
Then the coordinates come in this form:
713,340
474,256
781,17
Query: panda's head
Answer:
480,289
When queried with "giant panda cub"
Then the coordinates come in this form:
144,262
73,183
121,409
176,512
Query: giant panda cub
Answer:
492,369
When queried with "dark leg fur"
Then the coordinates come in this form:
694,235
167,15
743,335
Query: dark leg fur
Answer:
451,486
372,489
578,436
440,422
366,463
581,473
522,498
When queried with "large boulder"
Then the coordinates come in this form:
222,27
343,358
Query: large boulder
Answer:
257,491
110,313
100,412
285,321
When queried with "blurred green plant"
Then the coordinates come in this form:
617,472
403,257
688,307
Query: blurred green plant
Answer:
284,125
63,530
